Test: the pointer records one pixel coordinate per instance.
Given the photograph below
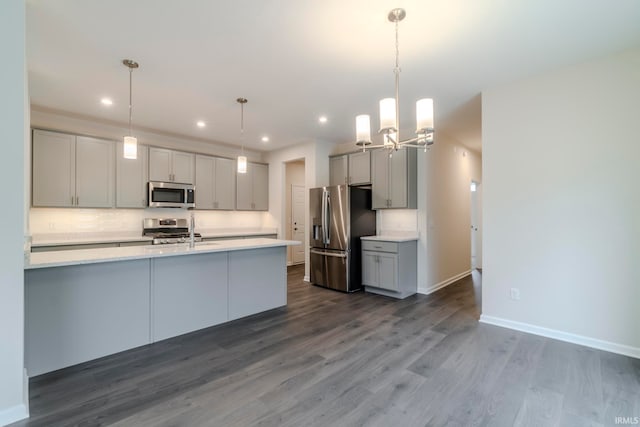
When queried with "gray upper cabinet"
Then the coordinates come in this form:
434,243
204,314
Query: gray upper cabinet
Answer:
72,171
339,170
171,166
131,178
215,183
360,168
252,188
394,179
54,169
350,169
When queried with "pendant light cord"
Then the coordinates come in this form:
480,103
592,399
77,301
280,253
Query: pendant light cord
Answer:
242,127
396,70
130,99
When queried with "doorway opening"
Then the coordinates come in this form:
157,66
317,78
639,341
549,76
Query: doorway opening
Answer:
296,210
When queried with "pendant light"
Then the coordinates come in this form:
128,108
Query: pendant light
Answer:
242,159
390,112
130,148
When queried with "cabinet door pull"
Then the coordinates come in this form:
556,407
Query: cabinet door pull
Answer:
71,200
77,201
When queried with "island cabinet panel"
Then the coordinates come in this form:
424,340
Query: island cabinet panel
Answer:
189,293
257,281
82,312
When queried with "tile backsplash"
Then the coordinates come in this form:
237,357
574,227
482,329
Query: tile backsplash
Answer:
58,220
397,220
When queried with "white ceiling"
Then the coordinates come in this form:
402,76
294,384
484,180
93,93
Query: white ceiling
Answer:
296,60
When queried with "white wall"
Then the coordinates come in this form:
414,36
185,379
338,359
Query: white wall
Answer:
562,203
294,176
14,113
316,159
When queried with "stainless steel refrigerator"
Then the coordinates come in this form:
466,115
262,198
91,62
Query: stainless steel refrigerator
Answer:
340,215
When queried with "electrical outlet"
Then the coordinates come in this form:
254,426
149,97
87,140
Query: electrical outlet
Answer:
52,226
515,294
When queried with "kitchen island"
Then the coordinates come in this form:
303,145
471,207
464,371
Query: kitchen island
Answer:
89,303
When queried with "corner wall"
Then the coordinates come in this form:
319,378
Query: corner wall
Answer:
316,160
449,168
14,113
562,205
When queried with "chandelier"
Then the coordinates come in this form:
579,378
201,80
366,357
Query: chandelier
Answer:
390,112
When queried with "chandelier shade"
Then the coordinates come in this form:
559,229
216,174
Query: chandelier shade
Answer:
390,112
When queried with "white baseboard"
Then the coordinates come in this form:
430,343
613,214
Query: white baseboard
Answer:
443,284
13,414
306,279
563,336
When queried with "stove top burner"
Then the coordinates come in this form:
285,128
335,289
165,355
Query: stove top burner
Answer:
167,231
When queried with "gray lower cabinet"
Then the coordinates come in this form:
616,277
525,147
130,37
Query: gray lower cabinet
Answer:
189,293
82,312
390,268
77,313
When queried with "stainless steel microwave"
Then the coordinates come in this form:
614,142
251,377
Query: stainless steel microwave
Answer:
171,195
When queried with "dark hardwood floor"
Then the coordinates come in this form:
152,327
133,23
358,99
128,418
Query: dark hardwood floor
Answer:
331,359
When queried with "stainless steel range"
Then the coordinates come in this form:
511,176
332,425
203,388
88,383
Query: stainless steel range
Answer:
168,230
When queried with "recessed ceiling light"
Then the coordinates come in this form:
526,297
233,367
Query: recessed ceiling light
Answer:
322,119
265,139
106,101
200,124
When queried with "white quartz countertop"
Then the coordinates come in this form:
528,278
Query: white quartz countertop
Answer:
91,256
398,238
61,239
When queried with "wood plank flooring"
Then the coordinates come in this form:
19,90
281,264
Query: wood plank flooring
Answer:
331,359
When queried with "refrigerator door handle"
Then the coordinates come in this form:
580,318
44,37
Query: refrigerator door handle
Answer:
342,255
323,216
328,219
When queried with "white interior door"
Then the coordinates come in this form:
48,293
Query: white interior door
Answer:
474,225
298,213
